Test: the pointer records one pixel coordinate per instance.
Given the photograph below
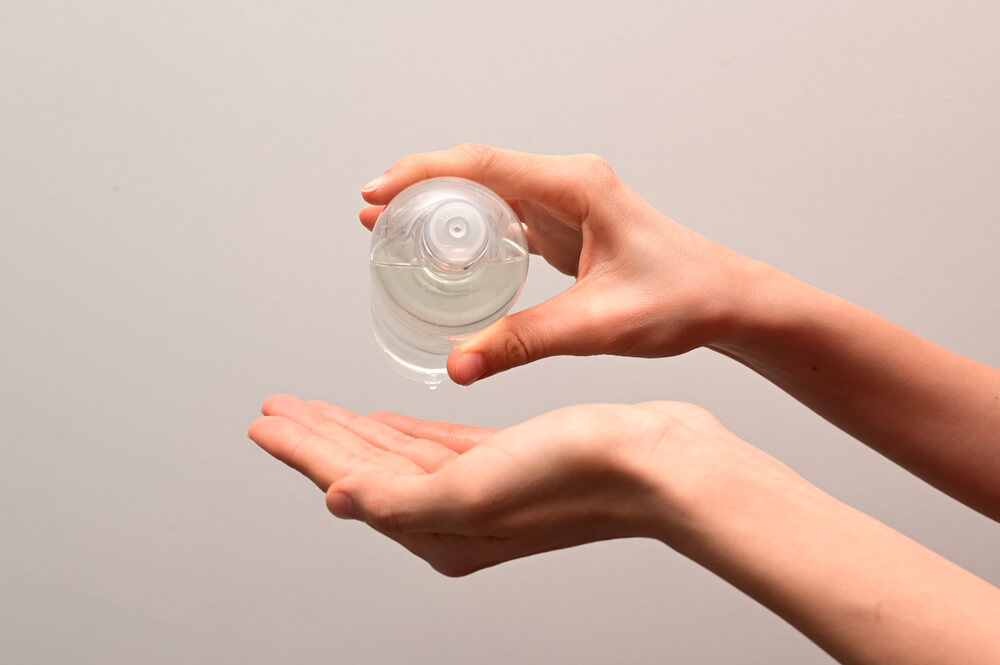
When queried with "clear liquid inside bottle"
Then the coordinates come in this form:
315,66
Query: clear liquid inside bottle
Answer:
448,258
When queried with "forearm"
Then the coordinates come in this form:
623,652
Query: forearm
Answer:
860,590
930,410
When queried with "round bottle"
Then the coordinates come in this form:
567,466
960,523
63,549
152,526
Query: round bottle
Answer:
448,258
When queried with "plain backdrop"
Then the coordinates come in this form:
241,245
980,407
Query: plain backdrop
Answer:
178,200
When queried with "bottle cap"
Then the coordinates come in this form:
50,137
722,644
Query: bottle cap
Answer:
455,235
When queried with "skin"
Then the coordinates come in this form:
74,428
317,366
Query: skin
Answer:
647,286
464,498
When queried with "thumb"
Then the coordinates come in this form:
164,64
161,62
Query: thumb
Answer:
562,325
393,504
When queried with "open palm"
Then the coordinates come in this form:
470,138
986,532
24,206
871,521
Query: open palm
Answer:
464,498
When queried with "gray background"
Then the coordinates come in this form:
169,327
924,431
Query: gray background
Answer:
178,195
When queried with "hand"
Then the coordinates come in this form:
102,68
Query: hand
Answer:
646,286
464,498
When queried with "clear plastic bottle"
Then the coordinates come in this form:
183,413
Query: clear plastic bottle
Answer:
448,258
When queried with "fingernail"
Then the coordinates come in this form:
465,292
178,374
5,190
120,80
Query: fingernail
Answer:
374,184
342,506
471,367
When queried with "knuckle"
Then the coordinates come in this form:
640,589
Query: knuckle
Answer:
406,161
452,436
688,412
515,349
597,167
411,164
470,148
482,156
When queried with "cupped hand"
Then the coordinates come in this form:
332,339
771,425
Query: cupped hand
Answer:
464,498
646,286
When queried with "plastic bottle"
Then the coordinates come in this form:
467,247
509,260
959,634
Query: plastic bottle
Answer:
448,258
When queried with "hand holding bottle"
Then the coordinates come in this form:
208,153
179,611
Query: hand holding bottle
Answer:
646,286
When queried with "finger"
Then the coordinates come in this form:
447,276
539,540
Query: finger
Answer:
323,461
550,180
564,325
458,438
298,411
559,242
398,503
369,215
427,454
518,207
515,205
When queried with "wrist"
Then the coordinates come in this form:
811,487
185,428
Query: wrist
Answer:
691,472
769,305
746,487
857,588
